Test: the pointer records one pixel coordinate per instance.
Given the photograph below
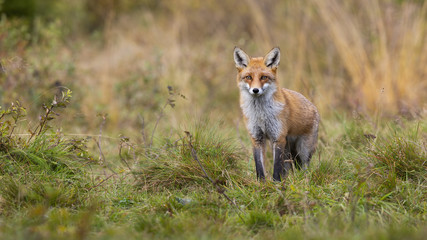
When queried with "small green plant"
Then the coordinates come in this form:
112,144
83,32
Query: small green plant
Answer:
8,122
42,167
257,220
174,166
402,155
50,113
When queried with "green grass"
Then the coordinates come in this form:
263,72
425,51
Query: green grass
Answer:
173,166
355,189
60,180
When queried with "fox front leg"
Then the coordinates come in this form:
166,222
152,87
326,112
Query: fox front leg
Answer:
259,151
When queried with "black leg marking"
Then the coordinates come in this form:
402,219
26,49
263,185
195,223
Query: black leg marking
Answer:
281,162
278,164
259,165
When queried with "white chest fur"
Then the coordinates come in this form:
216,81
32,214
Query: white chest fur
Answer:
262,113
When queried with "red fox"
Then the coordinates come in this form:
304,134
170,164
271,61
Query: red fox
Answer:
283,116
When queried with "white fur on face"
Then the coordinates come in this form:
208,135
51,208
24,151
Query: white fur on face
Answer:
262,111
260,90
245,85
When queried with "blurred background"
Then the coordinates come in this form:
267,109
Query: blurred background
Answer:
355,57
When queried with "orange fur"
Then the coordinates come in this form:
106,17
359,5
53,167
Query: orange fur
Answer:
298,120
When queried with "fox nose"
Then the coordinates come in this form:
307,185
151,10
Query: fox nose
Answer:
255,90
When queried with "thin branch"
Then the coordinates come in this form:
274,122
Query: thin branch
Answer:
173,143
101,182
121,157
44,120
157,122
144,137
98,143
73,134
124,160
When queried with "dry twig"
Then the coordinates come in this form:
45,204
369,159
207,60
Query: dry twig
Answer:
98,143
124,141
101,182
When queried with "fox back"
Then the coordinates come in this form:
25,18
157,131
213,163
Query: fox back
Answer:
283,116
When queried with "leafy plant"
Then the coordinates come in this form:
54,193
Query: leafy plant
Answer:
42,167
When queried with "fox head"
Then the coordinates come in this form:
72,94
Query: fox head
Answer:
257,75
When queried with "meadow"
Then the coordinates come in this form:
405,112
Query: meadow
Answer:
122,119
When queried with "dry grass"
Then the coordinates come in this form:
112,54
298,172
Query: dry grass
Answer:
363,56
367,57
383,50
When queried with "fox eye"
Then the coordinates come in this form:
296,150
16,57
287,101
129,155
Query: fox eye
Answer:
248,77
264,78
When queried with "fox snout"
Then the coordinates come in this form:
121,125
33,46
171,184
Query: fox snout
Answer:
254,90
257,91
257,75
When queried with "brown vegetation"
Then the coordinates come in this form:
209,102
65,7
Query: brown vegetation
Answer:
365,57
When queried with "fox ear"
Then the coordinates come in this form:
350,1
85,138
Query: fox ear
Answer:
272,59
240,58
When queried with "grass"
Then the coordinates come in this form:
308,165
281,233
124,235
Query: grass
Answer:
173,166
375,188
115,161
